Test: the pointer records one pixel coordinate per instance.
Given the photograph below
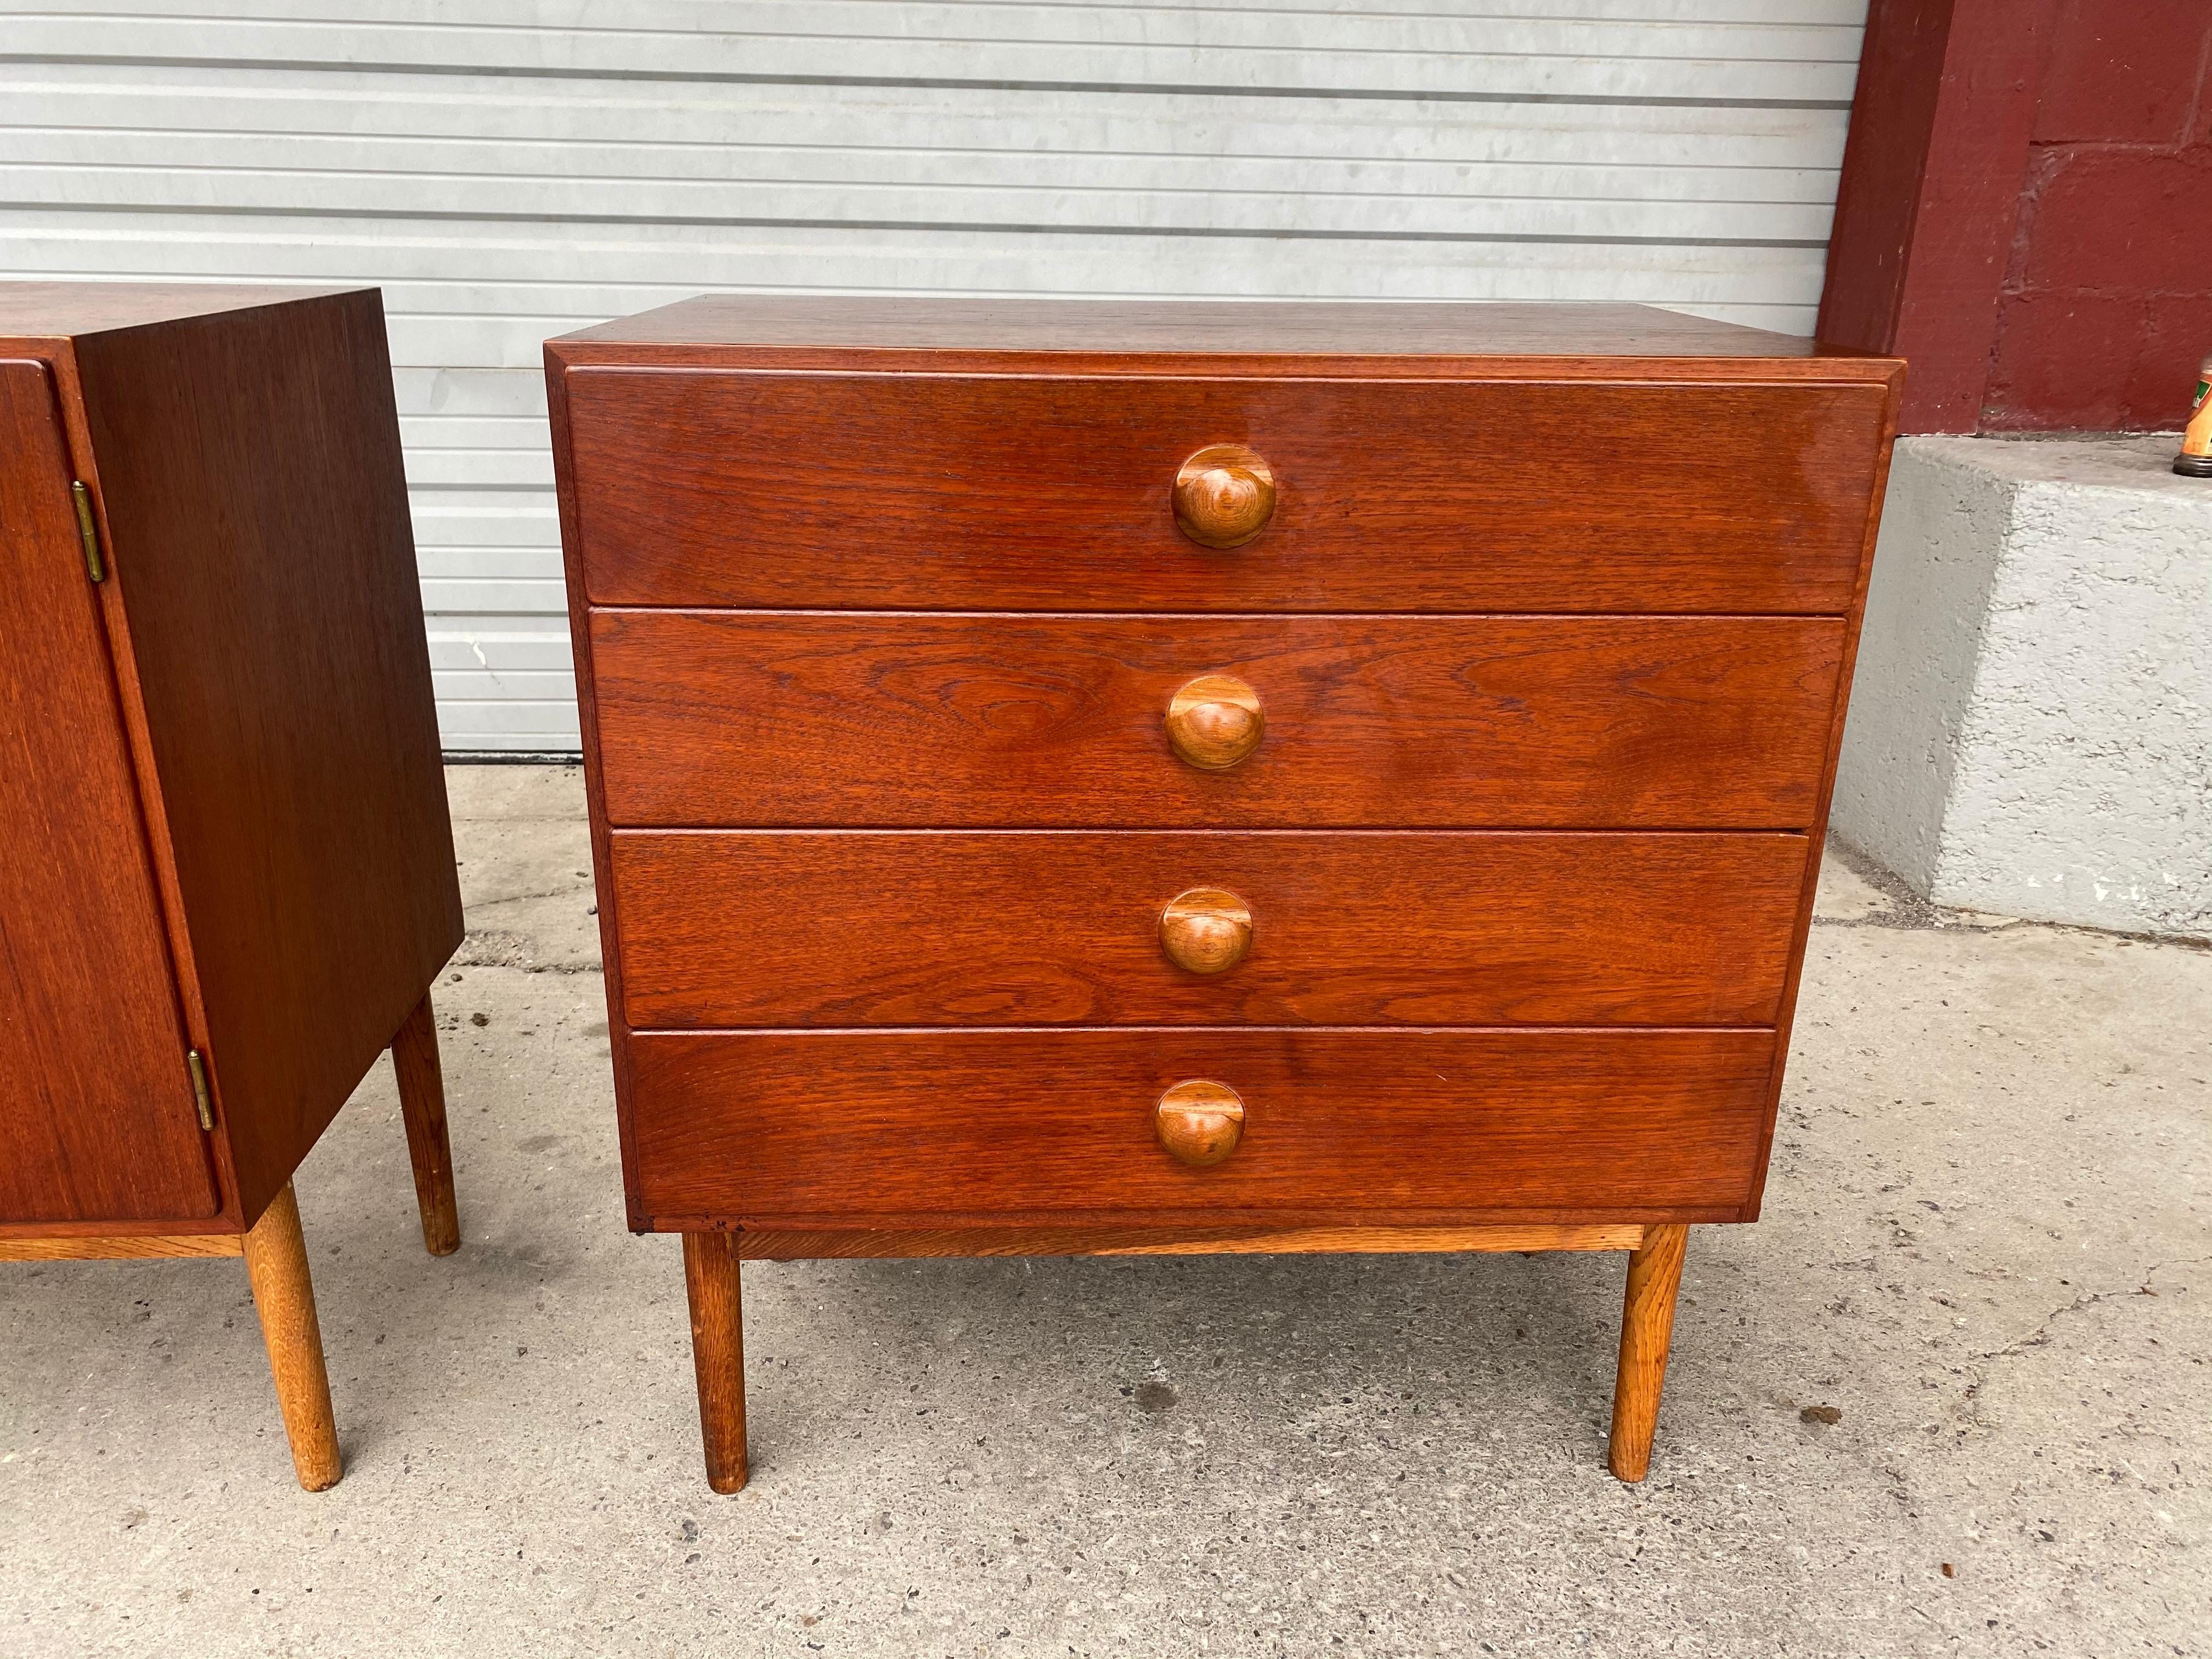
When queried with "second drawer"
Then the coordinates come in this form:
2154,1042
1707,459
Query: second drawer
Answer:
802,928
722,718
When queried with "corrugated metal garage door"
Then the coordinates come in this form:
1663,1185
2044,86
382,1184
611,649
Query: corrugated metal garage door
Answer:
508,169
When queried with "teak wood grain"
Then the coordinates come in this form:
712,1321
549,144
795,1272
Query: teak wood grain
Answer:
1215,722
99,1124
1451,337
1223,496
751,719
904,492
893,1127
119,1247
276,1254
852,928
1647,1327
423,1108
250,485
718,1353
1199,1122
1206,930
52,313
774,1243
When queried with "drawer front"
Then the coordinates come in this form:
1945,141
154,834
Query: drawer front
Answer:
755,720
709,486
830,1127
801,928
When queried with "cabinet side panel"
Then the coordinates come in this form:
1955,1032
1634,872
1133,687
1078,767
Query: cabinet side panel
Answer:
587,715
1802,935
250,471
99,1125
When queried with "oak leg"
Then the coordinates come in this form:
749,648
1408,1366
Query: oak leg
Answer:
276,1264
718,1351
1647,1324
423,1103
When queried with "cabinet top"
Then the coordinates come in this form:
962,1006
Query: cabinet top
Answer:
811,324
66,310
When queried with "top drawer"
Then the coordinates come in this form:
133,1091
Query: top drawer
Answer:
782,489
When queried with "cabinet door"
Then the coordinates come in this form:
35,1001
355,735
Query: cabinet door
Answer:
100,1124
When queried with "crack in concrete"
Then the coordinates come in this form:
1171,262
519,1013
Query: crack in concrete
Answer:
1968,1411
2040,1335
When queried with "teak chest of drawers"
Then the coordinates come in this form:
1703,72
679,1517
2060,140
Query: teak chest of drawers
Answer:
226,874
1086,776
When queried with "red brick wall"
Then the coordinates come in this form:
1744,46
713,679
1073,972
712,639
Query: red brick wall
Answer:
2105,309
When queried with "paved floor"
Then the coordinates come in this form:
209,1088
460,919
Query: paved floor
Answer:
1951,1396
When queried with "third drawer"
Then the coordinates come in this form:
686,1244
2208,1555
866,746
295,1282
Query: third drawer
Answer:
797,928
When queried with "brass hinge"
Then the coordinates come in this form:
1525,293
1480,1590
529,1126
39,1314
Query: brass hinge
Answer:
94,567
200,1096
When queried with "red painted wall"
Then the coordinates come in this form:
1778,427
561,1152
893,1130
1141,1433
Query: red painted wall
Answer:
2105,309
2026,210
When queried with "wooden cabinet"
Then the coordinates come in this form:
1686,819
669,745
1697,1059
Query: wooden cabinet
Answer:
1087,776
227,879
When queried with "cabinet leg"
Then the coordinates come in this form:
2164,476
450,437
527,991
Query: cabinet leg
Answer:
423,1103
284,1296
1647,1324
718,1351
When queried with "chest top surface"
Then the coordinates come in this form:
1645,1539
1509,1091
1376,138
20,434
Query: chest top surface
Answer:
1474,340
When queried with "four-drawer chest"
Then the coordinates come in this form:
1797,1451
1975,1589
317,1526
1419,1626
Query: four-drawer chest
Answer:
1148,777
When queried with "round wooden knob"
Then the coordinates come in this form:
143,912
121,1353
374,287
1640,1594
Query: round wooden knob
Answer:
1206,930
1223,496
1215,721
1200,1122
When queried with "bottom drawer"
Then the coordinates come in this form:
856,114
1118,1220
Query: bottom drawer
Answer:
840,1128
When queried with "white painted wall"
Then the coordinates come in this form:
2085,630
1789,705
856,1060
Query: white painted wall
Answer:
508,169
2031,723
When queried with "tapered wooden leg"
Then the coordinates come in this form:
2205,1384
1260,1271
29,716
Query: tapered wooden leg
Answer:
276,1264
423,1103
718,1351
1647,1325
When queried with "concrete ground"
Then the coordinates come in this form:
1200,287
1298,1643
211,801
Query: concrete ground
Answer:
1951,1396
